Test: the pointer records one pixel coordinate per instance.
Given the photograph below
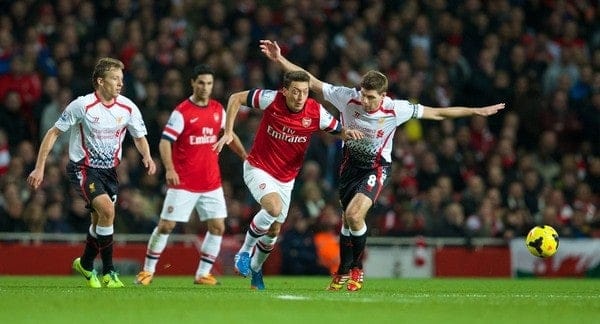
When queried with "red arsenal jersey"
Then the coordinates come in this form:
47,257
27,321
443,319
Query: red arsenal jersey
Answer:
193,130
283,136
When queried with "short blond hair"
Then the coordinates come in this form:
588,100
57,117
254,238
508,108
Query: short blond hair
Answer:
104,65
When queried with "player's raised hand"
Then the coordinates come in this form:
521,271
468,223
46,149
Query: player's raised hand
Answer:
271,49
490,110
224,140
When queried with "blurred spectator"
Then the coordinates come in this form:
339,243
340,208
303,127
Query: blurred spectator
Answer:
431,209
473,194
4,152
24,80
299,254
561,119
590,118
56,220
136,214
11,209
450,161
517,223
453,222
50,114
312,200
13,121
428,171
326,238
546,156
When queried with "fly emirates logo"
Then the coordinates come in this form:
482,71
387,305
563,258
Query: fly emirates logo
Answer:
287,134
208,137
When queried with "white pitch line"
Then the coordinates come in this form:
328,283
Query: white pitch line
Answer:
416,297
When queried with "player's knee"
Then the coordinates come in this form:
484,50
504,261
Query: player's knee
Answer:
353,218
274,209
271,203
216,227
166,227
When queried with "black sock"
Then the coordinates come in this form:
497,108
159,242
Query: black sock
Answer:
105,243
89,253
345,254
358,248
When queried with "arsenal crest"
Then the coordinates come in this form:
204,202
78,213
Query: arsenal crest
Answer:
306,122
216,117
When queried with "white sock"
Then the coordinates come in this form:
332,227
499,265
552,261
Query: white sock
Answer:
258,227
265,245
345,231
92,231
360,232
105,230
208,253
156,245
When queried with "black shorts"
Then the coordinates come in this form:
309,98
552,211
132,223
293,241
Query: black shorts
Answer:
93,182
358,180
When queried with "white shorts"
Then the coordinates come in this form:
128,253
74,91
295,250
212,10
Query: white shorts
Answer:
261,183
179,204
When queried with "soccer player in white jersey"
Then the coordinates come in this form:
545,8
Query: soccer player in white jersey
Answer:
366,163
193,176
98,123
288,121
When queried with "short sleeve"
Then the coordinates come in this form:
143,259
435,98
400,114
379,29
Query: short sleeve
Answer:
174,126
72,114
338,96
260,98
406,110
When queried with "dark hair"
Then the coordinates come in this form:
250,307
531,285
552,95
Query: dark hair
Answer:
294,76
202,69
374,80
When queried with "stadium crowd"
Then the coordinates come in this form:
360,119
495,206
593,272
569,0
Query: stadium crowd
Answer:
537,162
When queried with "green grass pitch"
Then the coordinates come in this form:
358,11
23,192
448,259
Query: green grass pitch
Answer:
288,300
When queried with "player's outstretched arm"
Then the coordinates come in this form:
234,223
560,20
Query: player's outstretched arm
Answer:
141,143
36,176
272,50
237,147
166,155
456,112
233,107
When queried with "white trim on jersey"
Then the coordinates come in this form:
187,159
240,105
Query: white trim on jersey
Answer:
174,126
261,98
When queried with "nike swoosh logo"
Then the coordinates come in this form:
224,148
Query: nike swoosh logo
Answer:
193,120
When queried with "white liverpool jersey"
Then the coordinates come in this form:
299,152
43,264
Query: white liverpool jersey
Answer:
378,126
98,130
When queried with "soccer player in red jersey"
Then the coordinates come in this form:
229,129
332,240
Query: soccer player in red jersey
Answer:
288,121
193,176
366,163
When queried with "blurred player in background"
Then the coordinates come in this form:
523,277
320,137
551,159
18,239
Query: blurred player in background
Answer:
288,121
366,163
193,176
98,123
